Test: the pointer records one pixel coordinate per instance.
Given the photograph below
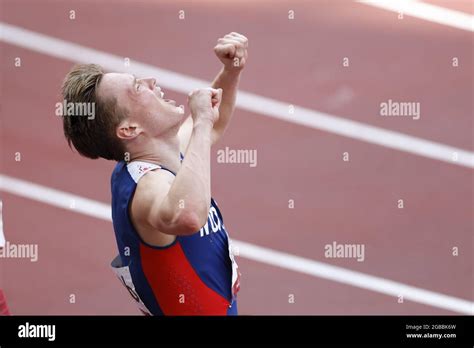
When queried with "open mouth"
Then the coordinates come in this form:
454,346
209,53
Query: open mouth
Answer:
171,102
167,101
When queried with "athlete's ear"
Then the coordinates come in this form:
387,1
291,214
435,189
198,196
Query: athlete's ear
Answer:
127,130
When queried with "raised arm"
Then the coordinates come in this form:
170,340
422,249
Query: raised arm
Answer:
181,207
232,52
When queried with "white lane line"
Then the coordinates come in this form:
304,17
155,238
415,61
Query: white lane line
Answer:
253,252
247,101
428,12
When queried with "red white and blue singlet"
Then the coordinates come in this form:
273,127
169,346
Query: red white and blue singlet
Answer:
195,275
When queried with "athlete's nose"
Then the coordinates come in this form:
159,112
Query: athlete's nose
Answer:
151,82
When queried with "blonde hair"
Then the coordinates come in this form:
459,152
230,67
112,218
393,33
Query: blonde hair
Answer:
92,138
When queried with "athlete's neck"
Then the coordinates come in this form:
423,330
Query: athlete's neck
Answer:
161,151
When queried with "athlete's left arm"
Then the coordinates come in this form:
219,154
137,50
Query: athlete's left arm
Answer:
232,52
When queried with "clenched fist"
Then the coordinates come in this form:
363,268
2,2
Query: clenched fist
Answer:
232,50
204,104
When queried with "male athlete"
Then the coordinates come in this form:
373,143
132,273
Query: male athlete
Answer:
175,256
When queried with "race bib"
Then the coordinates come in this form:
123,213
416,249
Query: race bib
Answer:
123,274
235,272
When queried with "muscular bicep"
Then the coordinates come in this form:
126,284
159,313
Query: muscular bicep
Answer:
153,211
146,206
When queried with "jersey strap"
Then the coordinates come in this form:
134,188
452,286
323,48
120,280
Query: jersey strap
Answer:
138,168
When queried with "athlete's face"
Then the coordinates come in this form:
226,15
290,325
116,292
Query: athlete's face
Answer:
143,100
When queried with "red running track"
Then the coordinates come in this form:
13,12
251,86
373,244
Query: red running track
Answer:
298,62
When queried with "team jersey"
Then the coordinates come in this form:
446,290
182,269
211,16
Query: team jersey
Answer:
195,275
